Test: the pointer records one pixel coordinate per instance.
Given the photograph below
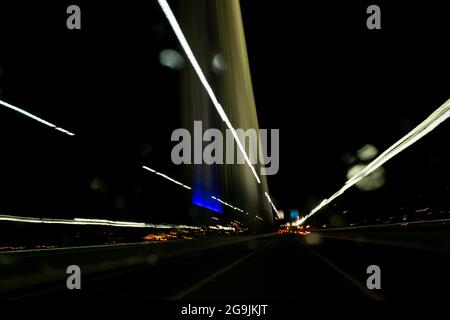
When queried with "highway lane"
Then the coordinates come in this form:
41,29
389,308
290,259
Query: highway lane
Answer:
414,264
284,270
265,268
30,269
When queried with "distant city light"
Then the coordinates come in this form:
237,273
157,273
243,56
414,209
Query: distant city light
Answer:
219,227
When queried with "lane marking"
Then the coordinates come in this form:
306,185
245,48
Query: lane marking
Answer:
173,259
116,274
216,274
348,277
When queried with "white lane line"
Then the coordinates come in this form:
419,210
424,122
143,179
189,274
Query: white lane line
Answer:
216,274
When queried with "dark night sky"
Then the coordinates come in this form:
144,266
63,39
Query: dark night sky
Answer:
329,84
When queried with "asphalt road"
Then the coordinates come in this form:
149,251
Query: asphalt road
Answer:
267,268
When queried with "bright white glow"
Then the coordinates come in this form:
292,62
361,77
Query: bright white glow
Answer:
428,125
36,118
187,49
97,222
271,203
166,177
299,222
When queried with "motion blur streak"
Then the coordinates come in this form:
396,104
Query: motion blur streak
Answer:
187,187
187,49
428,125
166,177
97,222
228,205
36,118
271,203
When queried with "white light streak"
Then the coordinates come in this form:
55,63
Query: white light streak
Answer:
428,125
36,118
96,222
299,222
271,203
187,49
229,205
189,188
166,177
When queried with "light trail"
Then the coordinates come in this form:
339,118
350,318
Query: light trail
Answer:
166,177
96,222
188,51
228,205
189,188
271,203
428,125
36,118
